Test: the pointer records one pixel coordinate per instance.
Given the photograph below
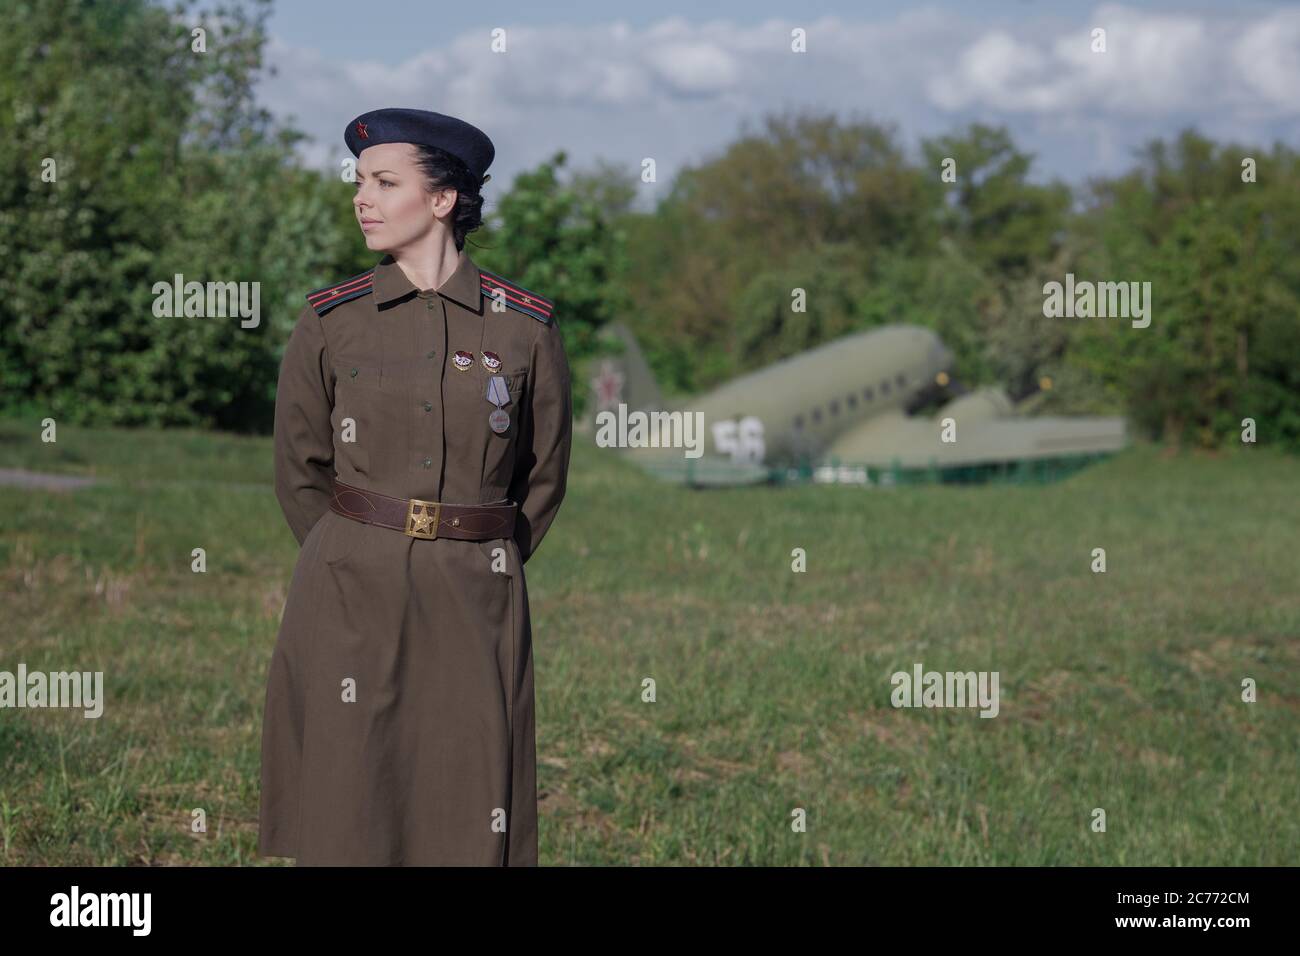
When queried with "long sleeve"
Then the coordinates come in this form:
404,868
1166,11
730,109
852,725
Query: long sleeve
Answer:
542,461
304,440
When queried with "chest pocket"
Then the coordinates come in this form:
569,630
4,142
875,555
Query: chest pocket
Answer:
466,391
357,418
515,384
501,451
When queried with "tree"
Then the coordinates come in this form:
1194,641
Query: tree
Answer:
562,239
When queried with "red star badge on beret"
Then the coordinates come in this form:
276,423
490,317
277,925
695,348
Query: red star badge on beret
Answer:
361,130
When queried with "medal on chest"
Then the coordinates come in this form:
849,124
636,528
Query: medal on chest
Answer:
463,361
498,395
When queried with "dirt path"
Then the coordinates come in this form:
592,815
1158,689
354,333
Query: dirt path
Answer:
22,478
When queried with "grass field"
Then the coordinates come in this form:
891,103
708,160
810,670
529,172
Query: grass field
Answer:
1119,690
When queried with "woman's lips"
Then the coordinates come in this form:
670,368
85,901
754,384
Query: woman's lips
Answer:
368,224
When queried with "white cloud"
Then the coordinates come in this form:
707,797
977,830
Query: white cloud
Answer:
678,90
1154,65
1267,55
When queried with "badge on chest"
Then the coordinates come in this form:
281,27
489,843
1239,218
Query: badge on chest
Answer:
498,395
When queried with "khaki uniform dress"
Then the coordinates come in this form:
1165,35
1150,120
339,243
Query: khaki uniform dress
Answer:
399,724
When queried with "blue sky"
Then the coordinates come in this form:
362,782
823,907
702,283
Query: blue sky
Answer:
677,81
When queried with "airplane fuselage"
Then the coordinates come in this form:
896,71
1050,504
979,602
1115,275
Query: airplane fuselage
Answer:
796,408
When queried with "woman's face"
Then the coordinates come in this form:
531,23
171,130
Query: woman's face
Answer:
392,205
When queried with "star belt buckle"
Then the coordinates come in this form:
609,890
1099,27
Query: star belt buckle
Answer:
420,521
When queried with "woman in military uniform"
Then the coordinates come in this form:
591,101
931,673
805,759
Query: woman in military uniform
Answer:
422,435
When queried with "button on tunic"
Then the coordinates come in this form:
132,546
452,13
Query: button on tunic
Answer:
399,716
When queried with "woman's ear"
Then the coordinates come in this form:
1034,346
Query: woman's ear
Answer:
442,202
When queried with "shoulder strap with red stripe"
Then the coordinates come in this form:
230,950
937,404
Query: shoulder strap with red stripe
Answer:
322,300
516,296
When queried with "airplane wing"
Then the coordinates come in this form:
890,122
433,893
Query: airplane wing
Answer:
984,435
707,471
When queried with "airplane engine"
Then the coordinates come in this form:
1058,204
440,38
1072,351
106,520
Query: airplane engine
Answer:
983,404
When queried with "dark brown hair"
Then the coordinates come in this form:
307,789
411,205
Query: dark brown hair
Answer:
443,170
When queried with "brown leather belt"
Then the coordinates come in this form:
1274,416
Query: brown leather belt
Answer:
426,519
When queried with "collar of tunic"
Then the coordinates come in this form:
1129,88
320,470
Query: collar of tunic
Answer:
463,286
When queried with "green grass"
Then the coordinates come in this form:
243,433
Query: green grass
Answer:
1119,690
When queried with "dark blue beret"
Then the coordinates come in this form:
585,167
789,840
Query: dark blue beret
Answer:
424,128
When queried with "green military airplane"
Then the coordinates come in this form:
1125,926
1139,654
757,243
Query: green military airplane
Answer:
845,411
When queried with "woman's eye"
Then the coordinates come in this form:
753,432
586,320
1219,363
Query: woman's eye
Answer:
385,182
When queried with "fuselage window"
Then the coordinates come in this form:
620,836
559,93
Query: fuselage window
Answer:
835,406
816,415
853,401
884,387
867,393
798,421
902,380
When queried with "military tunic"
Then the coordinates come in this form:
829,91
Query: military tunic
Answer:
399,723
